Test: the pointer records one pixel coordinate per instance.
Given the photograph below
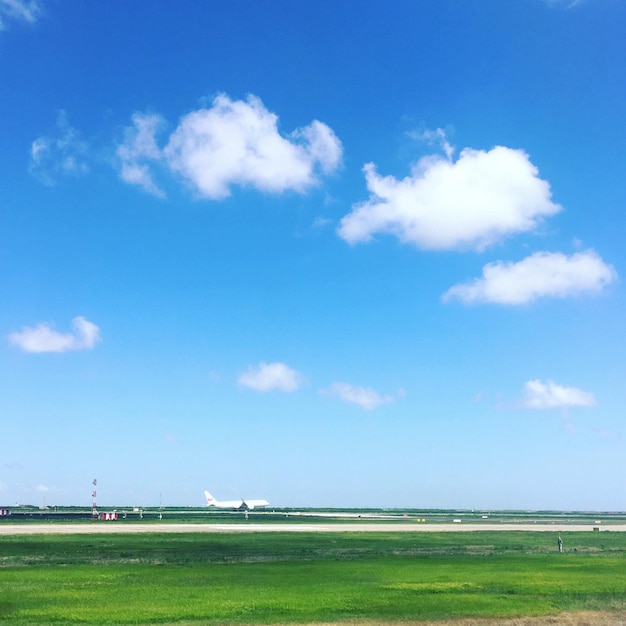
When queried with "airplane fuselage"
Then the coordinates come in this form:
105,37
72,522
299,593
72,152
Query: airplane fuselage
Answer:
235,505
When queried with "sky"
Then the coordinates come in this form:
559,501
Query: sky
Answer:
343,254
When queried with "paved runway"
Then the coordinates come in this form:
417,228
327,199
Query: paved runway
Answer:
103,527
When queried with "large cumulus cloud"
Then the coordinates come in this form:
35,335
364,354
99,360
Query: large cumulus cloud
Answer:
471,203
232,143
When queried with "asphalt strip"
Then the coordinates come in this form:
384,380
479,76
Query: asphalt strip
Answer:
112,527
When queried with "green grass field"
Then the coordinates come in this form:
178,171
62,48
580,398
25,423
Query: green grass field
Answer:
306,577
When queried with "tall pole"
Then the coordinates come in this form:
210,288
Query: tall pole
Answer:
94,510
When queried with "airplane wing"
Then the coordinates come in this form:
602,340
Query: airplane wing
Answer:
251,504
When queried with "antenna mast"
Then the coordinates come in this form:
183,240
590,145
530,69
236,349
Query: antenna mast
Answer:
94,510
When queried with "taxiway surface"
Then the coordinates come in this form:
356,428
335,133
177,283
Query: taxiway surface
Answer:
117,528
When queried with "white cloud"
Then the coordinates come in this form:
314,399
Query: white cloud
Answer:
567,4
234,142
549,395
543,274
63,155
42,488
365,397
238,143
269,376
321,222
139,148
43,338
24,10
477,200
437,138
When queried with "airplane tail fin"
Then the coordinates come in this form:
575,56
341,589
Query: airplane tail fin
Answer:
210,500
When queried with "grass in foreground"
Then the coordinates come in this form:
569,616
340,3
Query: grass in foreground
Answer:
304,578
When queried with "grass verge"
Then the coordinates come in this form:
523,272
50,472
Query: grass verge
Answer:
307,578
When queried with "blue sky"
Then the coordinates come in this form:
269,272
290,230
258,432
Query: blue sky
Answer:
327,254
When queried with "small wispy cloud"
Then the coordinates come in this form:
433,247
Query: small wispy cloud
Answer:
139,150
42,488
563,4
365,397
64,154
549,395
543,274
321,222
271,376
437,138
43,338
19,10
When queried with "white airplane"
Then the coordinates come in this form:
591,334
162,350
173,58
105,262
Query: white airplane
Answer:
243,505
